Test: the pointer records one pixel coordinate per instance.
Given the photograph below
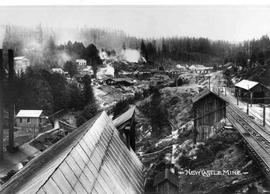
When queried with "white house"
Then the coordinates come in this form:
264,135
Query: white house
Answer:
30,119
21,63
58,70
81,63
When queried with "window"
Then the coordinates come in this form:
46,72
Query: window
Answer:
20,120
28,120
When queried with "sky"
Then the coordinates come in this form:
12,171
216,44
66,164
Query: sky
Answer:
229,22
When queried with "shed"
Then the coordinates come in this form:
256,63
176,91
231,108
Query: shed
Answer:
208,110
30,118
251,91
166,182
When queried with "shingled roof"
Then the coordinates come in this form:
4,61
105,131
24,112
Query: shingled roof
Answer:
92,159
205,93
246,84
166,175
124,117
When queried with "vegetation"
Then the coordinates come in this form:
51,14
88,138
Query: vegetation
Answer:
71,68
50,92
120,107
92,57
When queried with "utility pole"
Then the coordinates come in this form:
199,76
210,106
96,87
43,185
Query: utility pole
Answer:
1,106
11,99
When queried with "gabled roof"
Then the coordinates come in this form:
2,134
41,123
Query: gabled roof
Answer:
92,159
166,175
29,113
246,84
203,94
124,117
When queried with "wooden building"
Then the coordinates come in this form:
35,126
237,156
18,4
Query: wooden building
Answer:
30,119
125,124
208,109
166,182
251,91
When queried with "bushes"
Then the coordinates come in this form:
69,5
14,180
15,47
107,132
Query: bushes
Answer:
88,112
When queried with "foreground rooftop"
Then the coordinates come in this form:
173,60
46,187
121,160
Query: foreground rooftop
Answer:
92,159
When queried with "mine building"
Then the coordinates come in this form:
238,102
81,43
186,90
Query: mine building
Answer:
208,109
252,91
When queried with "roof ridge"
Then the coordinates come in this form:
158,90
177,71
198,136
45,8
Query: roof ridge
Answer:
71,149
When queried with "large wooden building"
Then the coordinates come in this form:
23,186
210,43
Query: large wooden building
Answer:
208,109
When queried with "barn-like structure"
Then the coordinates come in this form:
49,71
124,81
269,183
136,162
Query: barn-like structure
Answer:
251,91
208,110
166,182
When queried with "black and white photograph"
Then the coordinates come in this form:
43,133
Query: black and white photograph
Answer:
139,98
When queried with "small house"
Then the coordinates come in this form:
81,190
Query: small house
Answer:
30,119
81,63
58,70
166,182
208,109
251,90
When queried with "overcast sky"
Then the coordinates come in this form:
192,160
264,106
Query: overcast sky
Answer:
232,23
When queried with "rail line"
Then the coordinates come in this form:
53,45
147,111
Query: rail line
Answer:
256,137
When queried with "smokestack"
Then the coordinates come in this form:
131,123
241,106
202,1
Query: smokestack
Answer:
1,105
11,99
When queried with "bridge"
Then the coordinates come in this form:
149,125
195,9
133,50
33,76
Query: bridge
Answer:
256,137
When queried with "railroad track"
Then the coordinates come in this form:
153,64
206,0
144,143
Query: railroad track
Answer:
256,137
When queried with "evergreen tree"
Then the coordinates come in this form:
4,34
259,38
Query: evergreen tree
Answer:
91,55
